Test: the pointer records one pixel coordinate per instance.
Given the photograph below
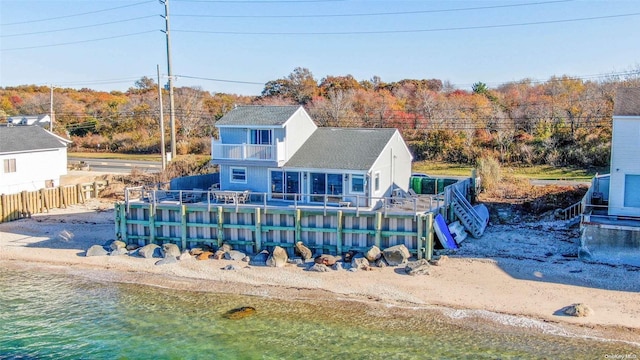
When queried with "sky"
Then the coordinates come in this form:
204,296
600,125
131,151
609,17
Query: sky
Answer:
234,46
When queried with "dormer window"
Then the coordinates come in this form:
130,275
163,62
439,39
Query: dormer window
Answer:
260,137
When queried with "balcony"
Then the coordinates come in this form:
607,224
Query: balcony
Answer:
246,152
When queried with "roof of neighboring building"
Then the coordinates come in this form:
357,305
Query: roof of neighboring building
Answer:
258,115
28,137
627,102
341,148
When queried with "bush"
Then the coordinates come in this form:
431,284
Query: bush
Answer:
489,172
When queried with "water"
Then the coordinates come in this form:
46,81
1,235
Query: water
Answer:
54,316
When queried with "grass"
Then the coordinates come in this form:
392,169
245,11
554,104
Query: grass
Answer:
539,172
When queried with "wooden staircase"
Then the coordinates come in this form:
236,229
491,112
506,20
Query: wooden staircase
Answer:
468,216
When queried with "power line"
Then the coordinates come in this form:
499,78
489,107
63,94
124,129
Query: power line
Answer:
221,80
414,30
80,42
413,12
79,14
79,27
260,2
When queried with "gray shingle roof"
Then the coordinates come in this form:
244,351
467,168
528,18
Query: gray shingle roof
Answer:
26,138
341,148
258,115
627,102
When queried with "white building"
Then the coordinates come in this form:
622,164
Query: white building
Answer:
32,158
40,120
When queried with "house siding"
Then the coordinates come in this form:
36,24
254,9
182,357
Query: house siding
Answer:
297,130
625,147
33,170
257,179
394,165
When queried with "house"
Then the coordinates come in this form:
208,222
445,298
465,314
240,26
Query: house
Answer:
32,157
279,151
624,181
40,120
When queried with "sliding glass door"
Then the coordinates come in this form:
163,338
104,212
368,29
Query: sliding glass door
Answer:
326,184
284,184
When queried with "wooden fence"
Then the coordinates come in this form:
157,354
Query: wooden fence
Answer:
26,203
253,229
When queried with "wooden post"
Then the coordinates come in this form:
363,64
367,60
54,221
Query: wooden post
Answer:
258,231
220,226
152,224
298,231
80,193
420,238
63,201
95,189
378,228
183,226
45,200
429,230
3,207
339,234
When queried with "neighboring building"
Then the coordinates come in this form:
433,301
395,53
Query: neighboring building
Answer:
40,120
278,150
624,186
32,158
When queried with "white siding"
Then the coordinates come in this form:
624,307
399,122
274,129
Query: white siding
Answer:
625,147
33,170
394,165
297,130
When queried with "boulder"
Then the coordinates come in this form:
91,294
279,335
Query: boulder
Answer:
150,251
97,250
219,255
170,250
205,255
196,251
226,247
348,256
373,253
337,266
441,260
116,244
295,261
239,313
234,255
318,268
260,259
579,310
246,259
278,257
325,259
396,255
231,267
381,262
119,251
359,262
305,252
132,247
419,267
167,260
185,255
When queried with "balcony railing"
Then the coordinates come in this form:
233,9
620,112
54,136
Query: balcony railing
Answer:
244,152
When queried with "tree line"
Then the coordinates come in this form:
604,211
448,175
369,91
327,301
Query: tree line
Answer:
563,121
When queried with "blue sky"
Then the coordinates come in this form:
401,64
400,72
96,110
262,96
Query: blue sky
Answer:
108,45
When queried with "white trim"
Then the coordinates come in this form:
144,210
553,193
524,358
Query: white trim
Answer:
231,180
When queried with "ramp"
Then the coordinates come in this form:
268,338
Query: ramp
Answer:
474,219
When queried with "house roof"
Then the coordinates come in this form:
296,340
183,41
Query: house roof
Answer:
627,102
341,148
258,115
28,138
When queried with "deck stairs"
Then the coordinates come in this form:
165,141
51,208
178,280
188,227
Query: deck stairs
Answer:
469,217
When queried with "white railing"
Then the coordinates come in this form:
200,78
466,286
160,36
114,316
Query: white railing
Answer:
244,152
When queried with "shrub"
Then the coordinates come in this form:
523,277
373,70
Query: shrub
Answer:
489,172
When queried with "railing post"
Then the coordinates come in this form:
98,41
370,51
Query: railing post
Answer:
183,225
378,229
339,233
420,238
220,225
258,231
429,230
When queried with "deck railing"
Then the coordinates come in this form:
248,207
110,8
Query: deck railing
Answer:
244,152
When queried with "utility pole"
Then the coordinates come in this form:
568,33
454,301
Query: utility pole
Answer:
162,145
51,114
172,119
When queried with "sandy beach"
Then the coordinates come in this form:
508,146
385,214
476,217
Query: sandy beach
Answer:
514,272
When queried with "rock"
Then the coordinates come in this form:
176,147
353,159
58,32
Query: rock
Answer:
359,262
305,252
132,247
119,251
352,269
373,253
439,261
231,267
219,255
419,267
318,268
234,255
205,255
579,310
196,251
260,259
185,256
337,266
396,255
246,259
150,251
239,313
348,256
206,247
170,250
381,262
278,257
167,260
115,244
325,259
225,247
96,250
295,261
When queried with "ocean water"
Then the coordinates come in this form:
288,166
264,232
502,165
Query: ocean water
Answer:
54,316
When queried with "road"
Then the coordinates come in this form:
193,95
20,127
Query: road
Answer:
115,166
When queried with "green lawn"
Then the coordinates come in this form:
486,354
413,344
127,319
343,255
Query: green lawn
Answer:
542,172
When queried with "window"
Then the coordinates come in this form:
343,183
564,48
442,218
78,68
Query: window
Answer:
9,165
260,137
357,184
376,181
239,175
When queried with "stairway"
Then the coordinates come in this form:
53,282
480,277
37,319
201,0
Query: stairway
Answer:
469,217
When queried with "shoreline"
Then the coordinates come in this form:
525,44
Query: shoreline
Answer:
517,289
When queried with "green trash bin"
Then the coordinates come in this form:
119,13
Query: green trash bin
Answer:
416,184
428,186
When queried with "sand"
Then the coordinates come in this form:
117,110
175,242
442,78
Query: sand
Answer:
517,275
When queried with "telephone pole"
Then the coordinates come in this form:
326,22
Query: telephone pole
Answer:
162,145
172,118
51,115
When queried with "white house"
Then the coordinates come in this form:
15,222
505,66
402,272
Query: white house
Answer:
41,120
278,150
32,158
624,185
